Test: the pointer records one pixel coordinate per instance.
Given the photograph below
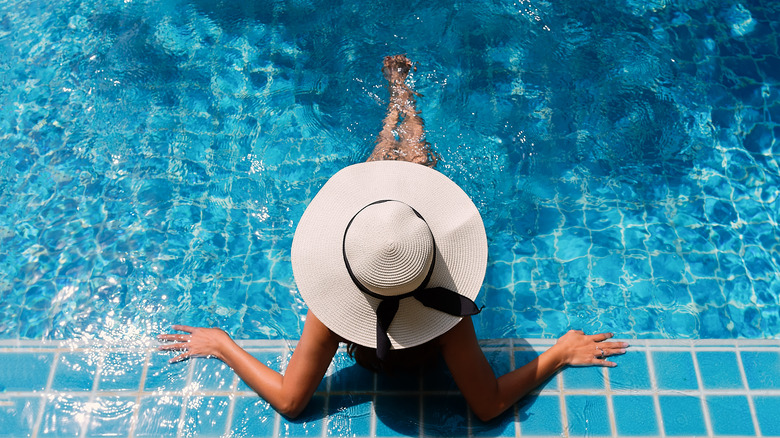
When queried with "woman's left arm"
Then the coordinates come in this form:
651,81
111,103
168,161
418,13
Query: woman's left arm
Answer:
489,396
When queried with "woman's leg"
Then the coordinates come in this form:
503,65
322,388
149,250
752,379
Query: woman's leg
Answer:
403,131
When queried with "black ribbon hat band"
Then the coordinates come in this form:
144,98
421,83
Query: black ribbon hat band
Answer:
438,298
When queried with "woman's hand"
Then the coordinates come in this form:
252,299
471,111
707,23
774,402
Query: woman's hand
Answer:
200,342
575,348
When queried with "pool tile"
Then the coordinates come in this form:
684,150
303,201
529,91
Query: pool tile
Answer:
110,416
587,415
158,416
635,415
501,426
347,375
767,408
309,423
349,415
499,361
397,415
719,369
445,416
253,417
631,372
121,371
436,376
682,415
540,415
398,412
63,416
399,381
730,415
206,416
165,376
75,372
762,369
701,264
674,370
212,374
583,378
25,371
17,415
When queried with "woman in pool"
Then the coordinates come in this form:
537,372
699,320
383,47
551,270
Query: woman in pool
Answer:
389,257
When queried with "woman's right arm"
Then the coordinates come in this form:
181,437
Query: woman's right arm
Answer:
288,393
489,396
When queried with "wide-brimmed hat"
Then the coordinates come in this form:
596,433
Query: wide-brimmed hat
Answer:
390,236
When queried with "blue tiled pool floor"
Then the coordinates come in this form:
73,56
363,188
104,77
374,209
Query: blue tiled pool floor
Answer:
660,388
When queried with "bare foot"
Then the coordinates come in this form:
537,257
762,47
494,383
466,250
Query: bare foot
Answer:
396,68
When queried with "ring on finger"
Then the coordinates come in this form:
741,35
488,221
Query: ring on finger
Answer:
602,353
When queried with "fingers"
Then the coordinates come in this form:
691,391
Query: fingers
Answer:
603,351
176,337
605,363
179,358
601,337
167,347
173,337
175,347
180,342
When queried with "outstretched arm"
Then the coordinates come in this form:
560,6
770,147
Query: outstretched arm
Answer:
489,396
288,393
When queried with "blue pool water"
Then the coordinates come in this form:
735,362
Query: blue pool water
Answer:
157,156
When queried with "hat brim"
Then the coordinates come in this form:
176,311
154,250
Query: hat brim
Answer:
318,264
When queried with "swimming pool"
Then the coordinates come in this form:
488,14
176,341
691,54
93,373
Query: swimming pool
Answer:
156,161
157,156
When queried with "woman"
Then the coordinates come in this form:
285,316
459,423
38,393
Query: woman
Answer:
389,256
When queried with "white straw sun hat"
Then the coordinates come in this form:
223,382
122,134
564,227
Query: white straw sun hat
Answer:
387,235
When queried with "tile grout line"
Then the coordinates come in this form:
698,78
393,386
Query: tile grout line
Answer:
654,389
93,394
47,395
231,405
139,393
516,408
496,344
562,404
186,393
705,409
545,392
748,395
610,402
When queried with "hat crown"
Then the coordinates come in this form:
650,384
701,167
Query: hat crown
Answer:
389,248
